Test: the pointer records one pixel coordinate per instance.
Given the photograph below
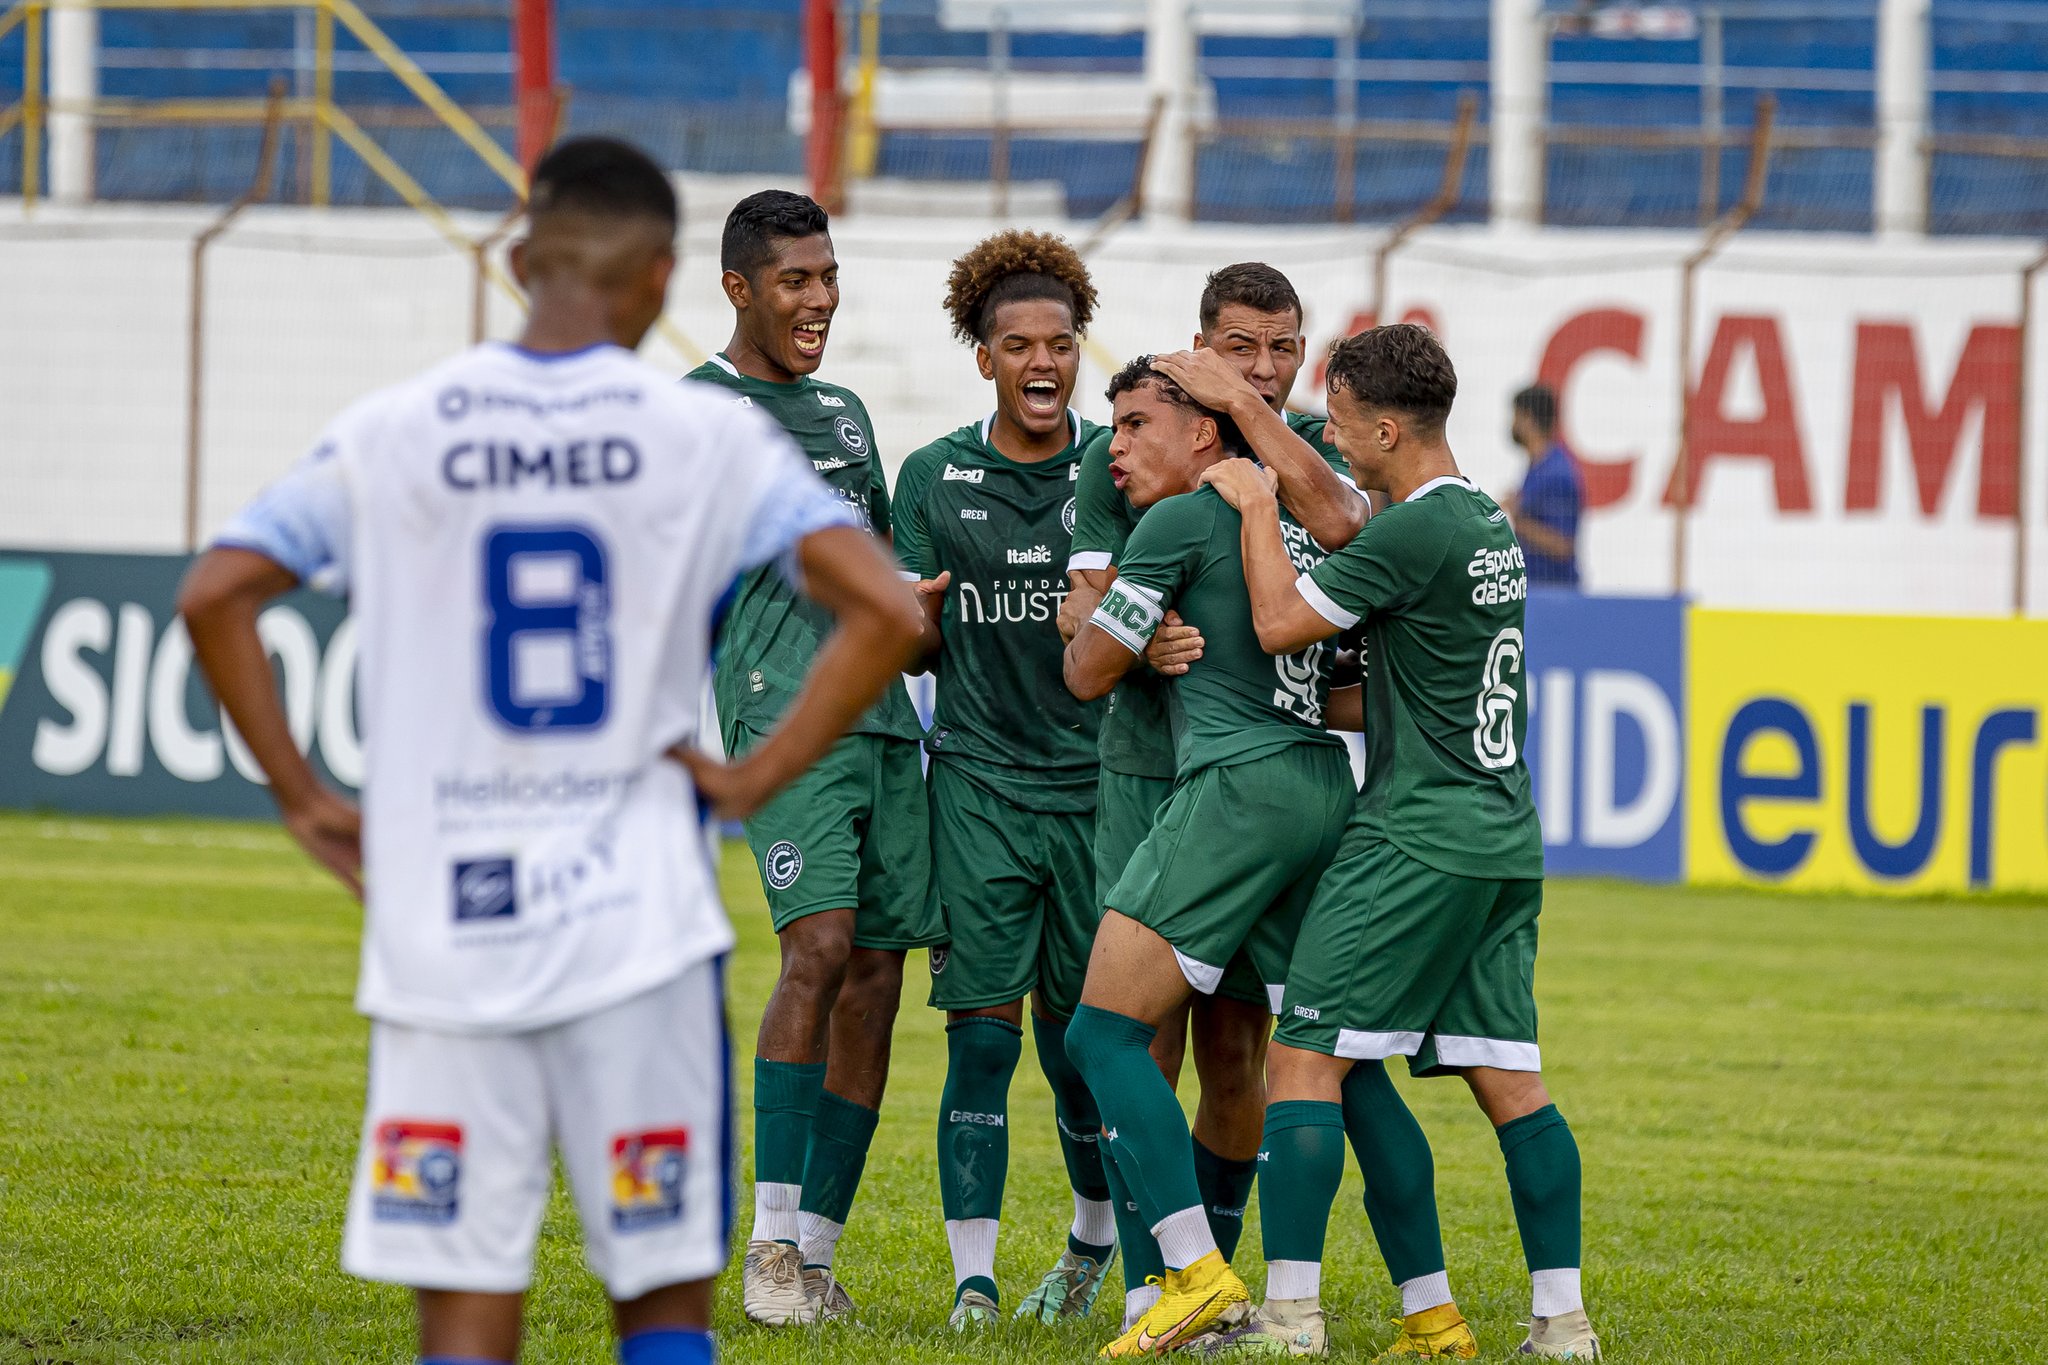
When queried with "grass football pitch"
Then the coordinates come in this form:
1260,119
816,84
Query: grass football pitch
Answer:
1813,1130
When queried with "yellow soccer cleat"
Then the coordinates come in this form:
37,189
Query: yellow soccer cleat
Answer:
1191,1302
1439,1333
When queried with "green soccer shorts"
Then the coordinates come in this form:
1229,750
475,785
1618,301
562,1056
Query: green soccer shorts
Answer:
1125,809
1017,891
852,833
1396,958
1233,859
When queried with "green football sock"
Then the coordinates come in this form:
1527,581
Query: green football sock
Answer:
1080,1129
840,1135
785,1101
974,1116
1543,1177
1400,1174
1141,1249
1226,1188
1300,1168
1148,1132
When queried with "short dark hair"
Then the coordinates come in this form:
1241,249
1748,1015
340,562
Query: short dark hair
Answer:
605,177
1140,372
1538,403
1252,284
1400,366
758,221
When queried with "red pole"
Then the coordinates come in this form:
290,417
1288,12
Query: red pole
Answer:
821,58
533,46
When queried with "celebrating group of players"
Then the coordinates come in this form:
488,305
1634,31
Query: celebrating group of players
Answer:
1200,563
1185,860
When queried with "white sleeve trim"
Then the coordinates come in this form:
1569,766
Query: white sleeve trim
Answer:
1087,561
1324,607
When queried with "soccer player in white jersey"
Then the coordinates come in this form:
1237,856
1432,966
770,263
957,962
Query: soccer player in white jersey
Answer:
537,539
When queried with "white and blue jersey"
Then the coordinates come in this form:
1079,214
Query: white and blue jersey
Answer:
535,548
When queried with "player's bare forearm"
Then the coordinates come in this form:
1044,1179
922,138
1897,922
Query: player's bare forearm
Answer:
1094,662
877,628
1085,589
1326,503
1346,710
931,602
1283,618
220,599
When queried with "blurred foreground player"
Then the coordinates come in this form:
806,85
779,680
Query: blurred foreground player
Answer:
845,852
535,539
1421,939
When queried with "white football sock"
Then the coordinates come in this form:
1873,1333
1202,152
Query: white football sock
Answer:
1294,1279
1094,1222
1184,1237
1139,1301
819,1237
1425,1292
973,1241
775,1211
1554,1291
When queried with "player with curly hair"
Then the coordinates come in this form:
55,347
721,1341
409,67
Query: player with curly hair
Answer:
985,516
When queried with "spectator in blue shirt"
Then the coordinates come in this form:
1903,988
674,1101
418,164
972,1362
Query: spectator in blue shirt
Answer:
1545,511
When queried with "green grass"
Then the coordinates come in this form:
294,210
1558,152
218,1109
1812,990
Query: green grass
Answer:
1813,1130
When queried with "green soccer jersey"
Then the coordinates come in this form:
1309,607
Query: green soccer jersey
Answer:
771,632
1002,711
1136,736
1440,583
1236,702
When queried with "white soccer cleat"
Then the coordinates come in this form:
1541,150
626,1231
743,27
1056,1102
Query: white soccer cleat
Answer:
975,1312
1278,1327
1567,1336
772,1285
829,1299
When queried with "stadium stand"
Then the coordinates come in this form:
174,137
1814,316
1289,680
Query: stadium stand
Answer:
711,85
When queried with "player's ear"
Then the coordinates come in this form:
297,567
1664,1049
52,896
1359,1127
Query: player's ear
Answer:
1201,342
517,255
984,361
738,292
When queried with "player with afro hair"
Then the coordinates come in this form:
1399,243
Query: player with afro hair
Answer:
985,517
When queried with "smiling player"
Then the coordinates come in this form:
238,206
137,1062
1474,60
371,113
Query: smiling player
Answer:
988,511
844,853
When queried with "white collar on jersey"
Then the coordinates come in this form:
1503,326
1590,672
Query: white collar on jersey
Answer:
1073,427
722,363
1439,482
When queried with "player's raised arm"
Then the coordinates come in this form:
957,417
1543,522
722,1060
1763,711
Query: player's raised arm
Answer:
1283,618
878,625
1328,506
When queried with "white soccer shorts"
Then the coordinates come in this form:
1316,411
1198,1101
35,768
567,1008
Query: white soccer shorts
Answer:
455,1167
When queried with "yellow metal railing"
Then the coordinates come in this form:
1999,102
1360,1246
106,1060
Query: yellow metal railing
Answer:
322,116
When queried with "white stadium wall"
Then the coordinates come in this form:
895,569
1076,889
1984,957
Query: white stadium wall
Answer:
1855,431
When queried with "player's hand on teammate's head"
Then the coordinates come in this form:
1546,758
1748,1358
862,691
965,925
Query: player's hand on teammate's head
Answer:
1175,645
1205,376
330,828
1242,483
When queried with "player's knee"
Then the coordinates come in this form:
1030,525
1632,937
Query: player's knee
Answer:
980,1048
1505,1096
815,953
1231,1059
873,989
1096,1037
